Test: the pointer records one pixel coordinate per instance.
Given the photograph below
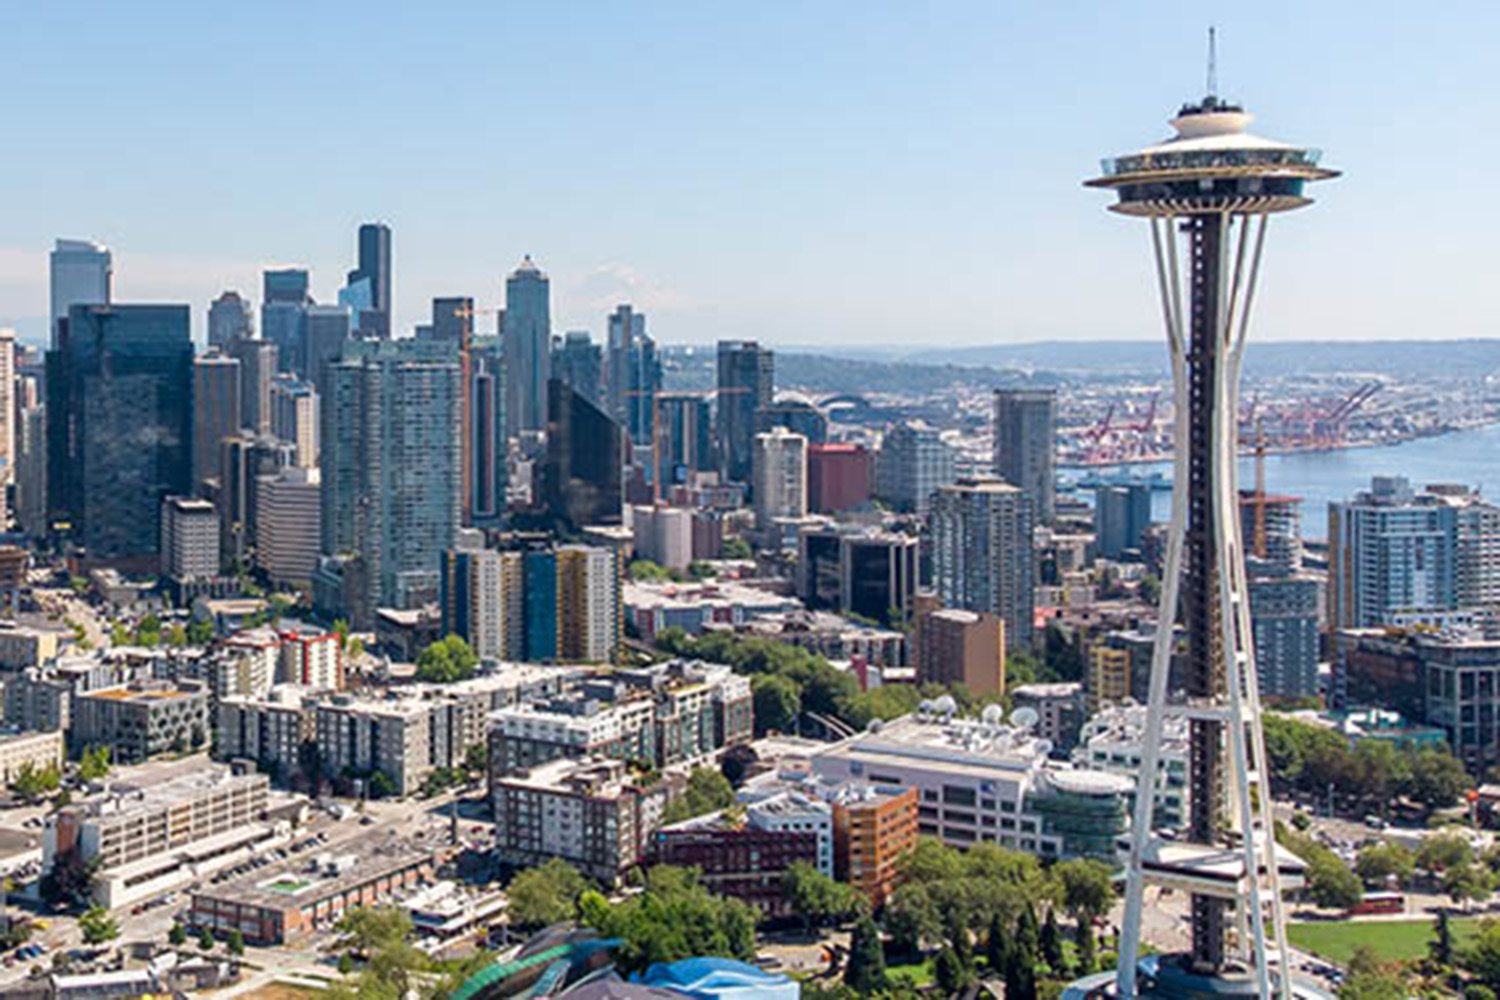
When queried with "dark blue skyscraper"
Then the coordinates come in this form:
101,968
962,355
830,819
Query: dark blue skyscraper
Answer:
119,404
374,268
747,382
527,336
283,316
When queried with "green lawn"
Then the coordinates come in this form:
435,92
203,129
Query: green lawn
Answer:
917,975
1391,939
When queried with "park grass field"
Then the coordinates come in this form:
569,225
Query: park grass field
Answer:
1391,939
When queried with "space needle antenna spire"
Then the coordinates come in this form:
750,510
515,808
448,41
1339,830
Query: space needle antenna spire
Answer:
1213,64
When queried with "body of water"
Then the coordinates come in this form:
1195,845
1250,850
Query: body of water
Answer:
1471,458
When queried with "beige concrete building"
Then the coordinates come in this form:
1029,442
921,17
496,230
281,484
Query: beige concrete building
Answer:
22,749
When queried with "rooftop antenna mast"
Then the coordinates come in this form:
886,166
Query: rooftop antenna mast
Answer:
1213,65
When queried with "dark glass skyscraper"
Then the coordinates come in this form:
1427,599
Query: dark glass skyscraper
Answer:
1026,445
747,382
528,342
579,362
120,411
487,439
375,268
581,474
685,439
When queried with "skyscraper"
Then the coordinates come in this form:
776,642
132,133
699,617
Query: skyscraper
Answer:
82,274
375,270
1026,443
119,404
913,462
283,316
257,360
391,474
229,319
685,437
747,381
453,323
294,418
982,553
31,468
483,600
217,413
1121,516
579,362
780,465
8,408
582,470
487,445
325,330
288,522
528,340
634,374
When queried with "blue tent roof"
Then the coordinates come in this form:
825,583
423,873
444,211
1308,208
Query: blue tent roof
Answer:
721,977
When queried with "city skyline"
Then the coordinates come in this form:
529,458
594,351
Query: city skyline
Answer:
766,164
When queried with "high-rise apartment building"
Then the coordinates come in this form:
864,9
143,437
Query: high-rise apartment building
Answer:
913,462
391,479
589,609
747,382
1391,551
528,339
582,469
982,553
230,318
82,273
31,468
839,477
325,329
487,444
119,404
780,467
216,413
1026,445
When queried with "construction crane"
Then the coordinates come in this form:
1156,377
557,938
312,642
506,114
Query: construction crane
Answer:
1330,428
1096,436
1259,538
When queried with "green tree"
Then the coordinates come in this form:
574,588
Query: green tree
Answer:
1371,979
1437,778
178,935
1088,887
997,947
34,783
346,964
865,971
200,631
1475,991
94,764
176,636
1020,977
1467,884
778,703
1442,851
341,629
545,895
98,926
1087,948
236,942
1379,863
910,917
477,757
381,786
1441,947
952,975
119,635
205,939
1481,958
816,897
447,660
706,791
1050,942
956,930
676,917
736,547
1330,883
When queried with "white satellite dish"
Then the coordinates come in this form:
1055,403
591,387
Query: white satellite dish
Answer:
1024,717
992,715
1043,747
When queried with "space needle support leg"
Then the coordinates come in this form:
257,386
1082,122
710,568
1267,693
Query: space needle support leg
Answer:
1164,243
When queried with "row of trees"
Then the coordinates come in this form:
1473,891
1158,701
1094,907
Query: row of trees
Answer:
1369,775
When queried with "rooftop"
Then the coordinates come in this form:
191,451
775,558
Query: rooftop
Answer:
303,881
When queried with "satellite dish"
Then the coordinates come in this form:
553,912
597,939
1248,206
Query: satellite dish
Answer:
875,726
1024,717
1043,747
992,715
945,705
925,706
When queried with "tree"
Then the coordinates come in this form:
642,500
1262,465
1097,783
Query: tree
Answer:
1088,887
1330,883
707,790
673,918
97,926
816,897
1442,851
866,969
200,632
178,935
447,660
177,636
1380,863
545,895
381,786
1441,946
341,629
1050,942
477,756
1481,958
778,703
94,764
1020,977
33,783
236,942
956,930
346,964
736,547
1371,979
910,917
952,975
1087,948
205,939
1437,779
1468,883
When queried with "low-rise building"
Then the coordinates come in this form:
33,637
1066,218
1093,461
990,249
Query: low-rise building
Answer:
20,750
277,730
141,719
875,828
654,606
590,813
36,700
1058,707
288,902
962,647
738,859
1112,741
23,646
830,636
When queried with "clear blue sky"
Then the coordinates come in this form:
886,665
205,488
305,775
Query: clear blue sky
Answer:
829,173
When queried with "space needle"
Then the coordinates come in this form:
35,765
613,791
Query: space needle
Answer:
1208,193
